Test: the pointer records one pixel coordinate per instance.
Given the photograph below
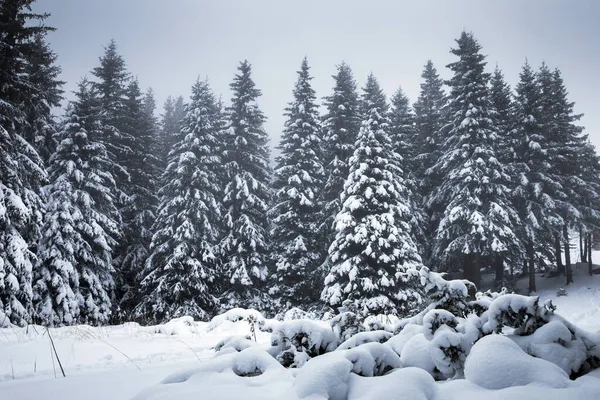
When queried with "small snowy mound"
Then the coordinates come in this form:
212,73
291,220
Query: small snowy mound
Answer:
415,353
235,315
401,384
235,343
328,376
179,326
496,362
251,373
365,337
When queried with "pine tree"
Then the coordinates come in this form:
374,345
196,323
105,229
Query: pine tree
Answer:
75,274
341,124
536,193
403,136
299,176
43,74
171,126
429,123
478,221
373,251
247,196
428,142
139,210
180,274
503,118
22,171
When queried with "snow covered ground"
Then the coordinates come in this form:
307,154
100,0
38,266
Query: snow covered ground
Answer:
129,361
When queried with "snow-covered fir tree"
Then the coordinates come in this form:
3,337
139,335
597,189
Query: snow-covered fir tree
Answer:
373,250
299,176
478,221
180,275
429,123
140,207
22,172
536,192
341,124
245,247
503,118
404,140
43,73
173,113
428,142
75,273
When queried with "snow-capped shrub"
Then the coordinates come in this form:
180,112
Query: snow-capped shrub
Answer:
235,315
346,325
434,319
496,362
522,313
178,326
294,342
365,337
237,343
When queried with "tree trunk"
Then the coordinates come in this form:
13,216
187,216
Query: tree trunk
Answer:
589,254
567,254
476,270
499,268
531,267
584,251
560,267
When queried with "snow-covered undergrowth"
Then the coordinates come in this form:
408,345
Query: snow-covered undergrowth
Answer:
499,346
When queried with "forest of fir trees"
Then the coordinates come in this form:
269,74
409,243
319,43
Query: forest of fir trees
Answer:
109,213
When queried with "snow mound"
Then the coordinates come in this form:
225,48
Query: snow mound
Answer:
236,343
178,326
306,336
235,315
328,376
415,353
496,362
365,337
405,383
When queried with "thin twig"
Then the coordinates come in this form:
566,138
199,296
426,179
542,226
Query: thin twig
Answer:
55,352
188,346
105,342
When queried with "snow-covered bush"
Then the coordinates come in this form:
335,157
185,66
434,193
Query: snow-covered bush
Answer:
235,315
234,343
365,337
346,325
294,342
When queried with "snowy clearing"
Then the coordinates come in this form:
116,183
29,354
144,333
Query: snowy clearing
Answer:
130,361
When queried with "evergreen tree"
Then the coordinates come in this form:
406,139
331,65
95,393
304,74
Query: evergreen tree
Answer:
139,210
22,171
403,134
503,118
478,221
247,195
373,251
428,143
299,176
180,274
171,126
341,124
429,124
43,74
536,192
75,273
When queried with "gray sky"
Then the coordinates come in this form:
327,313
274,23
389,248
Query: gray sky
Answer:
168,43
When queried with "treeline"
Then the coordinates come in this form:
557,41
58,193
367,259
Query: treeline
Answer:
110,214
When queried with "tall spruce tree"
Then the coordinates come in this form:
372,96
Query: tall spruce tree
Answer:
140,208
536,192
174,111
503,118
403,136
180,275
247,197
299,176
373,251
22,172
341,124
75,273
478,221
428,142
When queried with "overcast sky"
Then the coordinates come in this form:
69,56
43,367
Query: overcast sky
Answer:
168,43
